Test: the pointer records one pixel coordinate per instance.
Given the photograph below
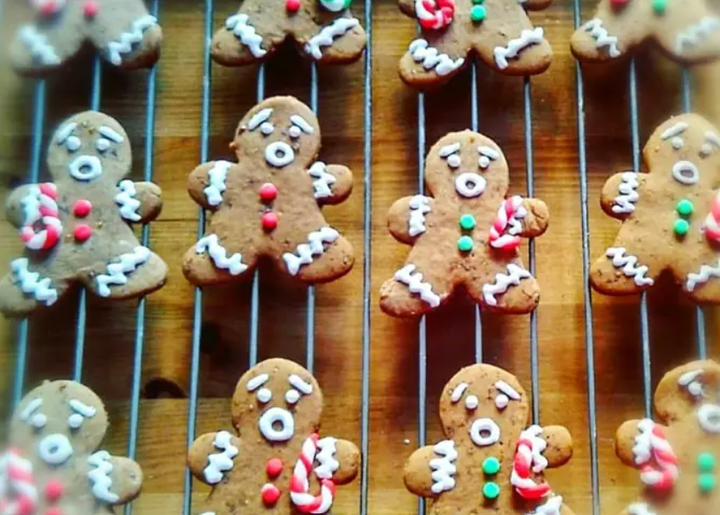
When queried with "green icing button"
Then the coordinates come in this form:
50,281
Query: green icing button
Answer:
478,1
491,466
681,227
491,490
478,13
685,207
707,483
660,6
467,222
706,462
465,244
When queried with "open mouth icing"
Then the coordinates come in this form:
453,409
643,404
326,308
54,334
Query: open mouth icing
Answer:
686,172
85,168
277,425
470,184
279,154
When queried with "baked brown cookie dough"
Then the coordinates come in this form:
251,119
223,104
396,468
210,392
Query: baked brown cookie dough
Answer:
76,229
465,233
670,216
278,464
498,31
490,461
323,31
123,31
53,465
268,203
678,456
688,31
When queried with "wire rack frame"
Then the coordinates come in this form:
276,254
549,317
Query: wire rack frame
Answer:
310,296
701,342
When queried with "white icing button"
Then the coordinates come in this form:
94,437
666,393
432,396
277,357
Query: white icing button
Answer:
484,432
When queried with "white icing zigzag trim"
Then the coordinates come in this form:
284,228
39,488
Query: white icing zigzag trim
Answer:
625,202
32,284
503,282
629,266
117,272
431,58
314,247
129,205
553,506
100,479
640,509
216,177
124,45
211,245
37,43
327,464
600,33
323,181
696,33
414,281
246,33
443,467
325,37
220,462
419,207
704,275
515,46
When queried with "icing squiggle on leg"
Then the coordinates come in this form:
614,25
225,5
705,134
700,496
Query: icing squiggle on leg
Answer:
503,282
314,247
325,37
696,33
32,283
603,38
414,281
210,244
124,45
431,58
705,273
515,46
37,43
117,272
628,265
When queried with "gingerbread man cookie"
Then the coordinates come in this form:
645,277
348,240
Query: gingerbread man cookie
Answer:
75,229
671,216
466,234
489,463
122,30
323,31
268,204
53,466
498,31
678,458
688,31
277,408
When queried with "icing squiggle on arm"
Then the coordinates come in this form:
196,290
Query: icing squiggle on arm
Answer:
220,462
325,37
414,281
126,199
322,181
432,59
419,207
216,178
625,202
443,467
99,475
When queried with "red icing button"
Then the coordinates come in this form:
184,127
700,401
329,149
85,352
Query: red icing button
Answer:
270,221
90,8
274,467
270,494
53,490
25,506
53,511
82,232
49,8
619,3
292,5
268,192
82,208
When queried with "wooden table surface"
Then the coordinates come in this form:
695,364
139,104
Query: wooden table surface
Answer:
393,408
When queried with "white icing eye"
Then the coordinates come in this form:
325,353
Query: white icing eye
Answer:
264,395
454,161
75,421
471,402
502,401
267,128
295,132
292,396
706,150
38,420
102,145
73,143
484,162
678,143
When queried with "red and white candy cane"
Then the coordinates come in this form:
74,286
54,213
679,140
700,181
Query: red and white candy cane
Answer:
528,461
435,14
300,486
655,456
18,494
712,221
506,227
41,227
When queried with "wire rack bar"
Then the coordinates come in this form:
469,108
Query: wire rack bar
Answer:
475,126
310,320
587,294
422,327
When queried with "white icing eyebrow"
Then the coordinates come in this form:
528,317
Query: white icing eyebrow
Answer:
256,382
449,149
64,132
712,138
489,152
458,392
82,408
259,118
689,381
300,384
675,130
31,409
111,134
508,390
300,122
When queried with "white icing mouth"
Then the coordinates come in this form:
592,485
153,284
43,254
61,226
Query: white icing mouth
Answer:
484,432
470,184
277,425
279,154
85,168
709,417
686,172
55,449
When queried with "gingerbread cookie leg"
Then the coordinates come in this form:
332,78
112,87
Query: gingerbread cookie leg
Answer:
623,270
135,271
26,288
246,38
433,59
324,255
39,48
342,40
510,289
209,261
689,34
700,276
411,292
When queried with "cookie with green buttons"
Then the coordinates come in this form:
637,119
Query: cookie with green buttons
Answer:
489,463
465,233
678,456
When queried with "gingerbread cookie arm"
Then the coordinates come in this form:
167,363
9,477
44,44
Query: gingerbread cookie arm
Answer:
407,218
621,193
348,456
15,206
125,479
207,183
625,441
211,455
418,474
536,219
559,445
139,202
332,183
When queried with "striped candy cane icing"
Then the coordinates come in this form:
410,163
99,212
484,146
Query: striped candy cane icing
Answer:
656,457
435,14
712,221
528,461
299,484
507,226
41,228
18,493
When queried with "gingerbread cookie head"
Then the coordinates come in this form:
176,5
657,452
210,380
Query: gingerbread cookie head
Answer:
688,31
122,31
677,456
499,32
53,465
324,31
489,462
278,463
671,215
